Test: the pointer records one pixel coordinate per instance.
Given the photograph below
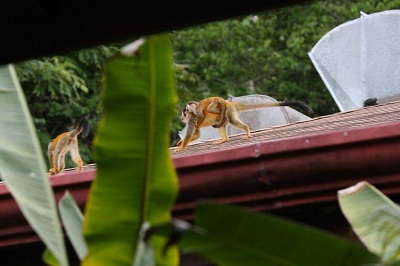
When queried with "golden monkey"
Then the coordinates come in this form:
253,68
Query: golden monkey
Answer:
67,141
196,116
210,111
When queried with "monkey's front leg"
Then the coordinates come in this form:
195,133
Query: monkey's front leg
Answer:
182,144
192,133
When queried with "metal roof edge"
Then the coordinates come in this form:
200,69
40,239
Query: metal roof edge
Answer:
291,144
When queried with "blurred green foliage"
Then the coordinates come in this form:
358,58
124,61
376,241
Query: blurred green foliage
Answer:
263,53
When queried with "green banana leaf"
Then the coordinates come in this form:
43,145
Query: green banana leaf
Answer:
229,236
49,258
72,219
374,218
136,181
22,165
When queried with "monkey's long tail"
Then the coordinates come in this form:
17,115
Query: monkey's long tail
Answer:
300,105
83,126
247,107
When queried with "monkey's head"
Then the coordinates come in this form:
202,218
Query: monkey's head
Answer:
189,109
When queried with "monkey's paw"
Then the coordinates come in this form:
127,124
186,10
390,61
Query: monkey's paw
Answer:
247,136
220,141
52,172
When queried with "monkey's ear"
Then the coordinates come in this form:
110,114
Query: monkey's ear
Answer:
191,107
193,102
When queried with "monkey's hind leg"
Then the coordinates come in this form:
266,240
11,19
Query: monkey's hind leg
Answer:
75,156
57,163
235,121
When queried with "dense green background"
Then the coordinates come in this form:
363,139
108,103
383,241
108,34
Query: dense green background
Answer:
262,53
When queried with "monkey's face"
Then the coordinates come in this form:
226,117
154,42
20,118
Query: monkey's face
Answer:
185,115
188,111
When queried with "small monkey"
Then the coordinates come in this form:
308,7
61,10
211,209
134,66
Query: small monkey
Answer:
197,116
67,141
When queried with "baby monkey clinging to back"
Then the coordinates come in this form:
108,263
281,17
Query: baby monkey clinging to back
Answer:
67,141
217,112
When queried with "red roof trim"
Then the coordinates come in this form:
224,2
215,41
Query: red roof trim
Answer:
290,172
